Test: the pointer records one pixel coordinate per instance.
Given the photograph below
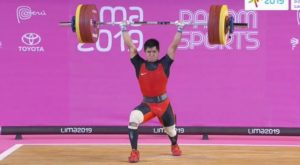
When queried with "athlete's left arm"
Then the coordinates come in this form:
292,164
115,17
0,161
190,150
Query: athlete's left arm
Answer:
176,40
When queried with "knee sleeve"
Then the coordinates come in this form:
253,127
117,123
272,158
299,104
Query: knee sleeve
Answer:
135,119
171,130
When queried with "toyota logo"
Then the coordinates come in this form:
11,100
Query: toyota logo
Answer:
31,39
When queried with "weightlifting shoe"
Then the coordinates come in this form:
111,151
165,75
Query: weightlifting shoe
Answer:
175,150
134,156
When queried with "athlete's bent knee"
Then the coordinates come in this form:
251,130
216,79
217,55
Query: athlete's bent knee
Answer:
171,130
135,119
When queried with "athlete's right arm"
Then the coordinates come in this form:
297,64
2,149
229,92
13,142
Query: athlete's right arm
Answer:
127,39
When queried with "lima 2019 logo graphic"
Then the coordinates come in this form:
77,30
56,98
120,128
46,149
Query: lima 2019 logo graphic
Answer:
267,4
255,2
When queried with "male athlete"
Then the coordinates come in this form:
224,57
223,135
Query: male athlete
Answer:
152,75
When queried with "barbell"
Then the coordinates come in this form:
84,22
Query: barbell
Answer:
86,24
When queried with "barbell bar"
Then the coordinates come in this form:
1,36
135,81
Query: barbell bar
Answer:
86,24
68,23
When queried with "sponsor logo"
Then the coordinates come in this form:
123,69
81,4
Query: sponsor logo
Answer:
76,130
142,74
263,131
161,130
25,13
266,4
31,39
294,42
32,43
295,5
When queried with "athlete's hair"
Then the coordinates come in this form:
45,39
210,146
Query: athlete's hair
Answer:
150,43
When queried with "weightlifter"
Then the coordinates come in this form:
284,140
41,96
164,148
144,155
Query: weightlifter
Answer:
152,74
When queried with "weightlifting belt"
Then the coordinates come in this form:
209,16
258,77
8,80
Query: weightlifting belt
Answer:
156,99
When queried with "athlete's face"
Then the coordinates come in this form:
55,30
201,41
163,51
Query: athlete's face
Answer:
152,54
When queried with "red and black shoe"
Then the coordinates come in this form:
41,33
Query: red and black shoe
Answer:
175,150
134,156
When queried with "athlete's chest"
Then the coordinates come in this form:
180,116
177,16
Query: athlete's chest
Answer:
151,70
